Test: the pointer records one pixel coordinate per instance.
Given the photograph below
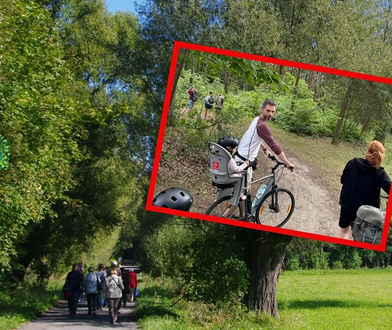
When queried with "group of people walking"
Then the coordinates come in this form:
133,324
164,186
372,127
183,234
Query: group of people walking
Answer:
209,101
102,288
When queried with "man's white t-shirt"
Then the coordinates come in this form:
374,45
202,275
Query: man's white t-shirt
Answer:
249,145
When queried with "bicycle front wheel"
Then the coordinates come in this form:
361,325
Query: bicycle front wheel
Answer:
221,206
276,208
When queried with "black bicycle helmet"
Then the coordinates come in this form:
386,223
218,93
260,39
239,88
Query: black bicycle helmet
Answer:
228,142
174,198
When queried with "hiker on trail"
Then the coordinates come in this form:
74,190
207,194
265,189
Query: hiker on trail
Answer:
114,265
90,284
208,103
259,134
219,103
362,180
81,271
132,283
102,276
75,280
126,291
192,96
113,287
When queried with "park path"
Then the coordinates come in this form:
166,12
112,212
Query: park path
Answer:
58,318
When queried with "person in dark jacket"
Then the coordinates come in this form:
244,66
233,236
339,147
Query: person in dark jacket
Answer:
362,181
75,280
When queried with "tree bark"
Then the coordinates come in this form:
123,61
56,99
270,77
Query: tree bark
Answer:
179,67
343,110
226,80
381,134
295,93
267,262
312,80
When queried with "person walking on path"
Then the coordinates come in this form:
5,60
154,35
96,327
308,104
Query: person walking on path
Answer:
75,280
132,283
362,180
90,284
113,287
219,103
102,276
208,103
126,291
192,97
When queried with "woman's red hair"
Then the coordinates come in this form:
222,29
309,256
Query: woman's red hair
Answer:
375,153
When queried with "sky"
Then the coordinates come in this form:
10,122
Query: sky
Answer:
124,5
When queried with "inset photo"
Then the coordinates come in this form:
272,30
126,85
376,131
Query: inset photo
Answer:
275,145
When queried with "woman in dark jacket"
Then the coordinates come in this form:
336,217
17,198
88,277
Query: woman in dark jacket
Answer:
362,180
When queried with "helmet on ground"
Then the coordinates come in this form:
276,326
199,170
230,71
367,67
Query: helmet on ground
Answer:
228,142
174,198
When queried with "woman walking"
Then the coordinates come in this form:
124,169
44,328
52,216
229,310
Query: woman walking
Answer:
90,285
362,180
132,283
112,288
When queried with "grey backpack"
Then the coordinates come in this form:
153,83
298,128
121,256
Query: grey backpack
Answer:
368,225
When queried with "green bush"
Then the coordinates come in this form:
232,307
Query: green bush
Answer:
292,261
217,274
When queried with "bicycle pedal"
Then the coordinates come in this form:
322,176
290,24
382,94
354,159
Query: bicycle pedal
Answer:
251,218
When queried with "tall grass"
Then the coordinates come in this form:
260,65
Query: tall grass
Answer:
27,302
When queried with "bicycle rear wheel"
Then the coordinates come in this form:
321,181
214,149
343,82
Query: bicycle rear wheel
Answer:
221,205
276,208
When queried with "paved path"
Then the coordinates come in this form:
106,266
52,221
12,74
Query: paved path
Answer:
58,318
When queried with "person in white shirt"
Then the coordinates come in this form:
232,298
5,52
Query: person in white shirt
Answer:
259,134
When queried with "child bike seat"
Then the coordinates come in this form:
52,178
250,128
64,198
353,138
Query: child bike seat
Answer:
219,171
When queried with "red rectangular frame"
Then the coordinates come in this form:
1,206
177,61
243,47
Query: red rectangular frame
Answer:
219,51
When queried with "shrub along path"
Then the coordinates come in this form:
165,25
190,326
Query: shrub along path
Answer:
58,318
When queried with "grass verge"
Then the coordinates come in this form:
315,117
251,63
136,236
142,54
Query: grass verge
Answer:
26,303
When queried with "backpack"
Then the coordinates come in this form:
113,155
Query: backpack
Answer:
195,97
368,225
211,100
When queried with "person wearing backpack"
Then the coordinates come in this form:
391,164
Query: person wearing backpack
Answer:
101,276
74,280
362,180
219,103
193,96
90,284
208,103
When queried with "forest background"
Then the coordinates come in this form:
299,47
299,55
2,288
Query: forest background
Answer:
81,97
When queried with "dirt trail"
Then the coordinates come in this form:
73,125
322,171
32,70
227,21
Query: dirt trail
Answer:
316,204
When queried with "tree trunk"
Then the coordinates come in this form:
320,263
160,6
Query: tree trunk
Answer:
295,89
343,110
226,80
318,89
179,67
312,80
381,134
192,70
267,262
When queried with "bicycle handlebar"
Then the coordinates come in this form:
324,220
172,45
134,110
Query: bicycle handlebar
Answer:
279,163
